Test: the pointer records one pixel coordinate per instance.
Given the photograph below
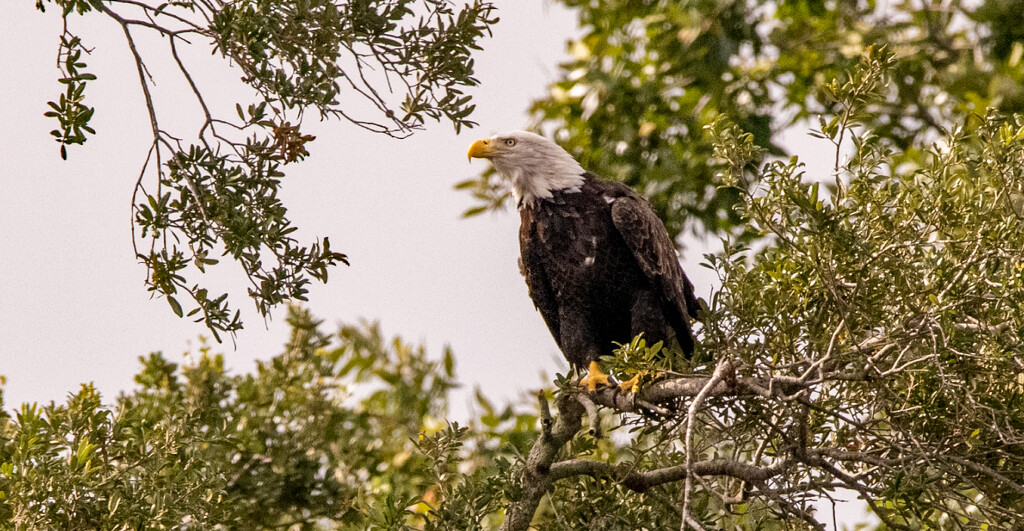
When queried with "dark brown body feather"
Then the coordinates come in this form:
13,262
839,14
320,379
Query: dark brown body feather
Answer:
601,268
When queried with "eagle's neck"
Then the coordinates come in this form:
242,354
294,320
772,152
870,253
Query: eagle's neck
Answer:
528,190
537,182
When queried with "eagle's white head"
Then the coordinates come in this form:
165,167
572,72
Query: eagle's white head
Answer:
535,165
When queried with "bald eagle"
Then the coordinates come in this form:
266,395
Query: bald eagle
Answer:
599,264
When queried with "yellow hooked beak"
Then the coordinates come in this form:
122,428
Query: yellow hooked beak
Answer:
480,149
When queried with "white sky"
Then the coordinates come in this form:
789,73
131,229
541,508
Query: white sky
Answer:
73,306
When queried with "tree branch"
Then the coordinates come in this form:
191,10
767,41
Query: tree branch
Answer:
642,481
536,478
691,418
593,418
668,390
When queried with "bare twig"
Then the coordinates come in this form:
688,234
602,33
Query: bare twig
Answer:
593,418
545,414
691,416
980,468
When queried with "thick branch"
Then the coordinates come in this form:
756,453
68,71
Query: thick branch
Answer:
668,390
536,478
641,481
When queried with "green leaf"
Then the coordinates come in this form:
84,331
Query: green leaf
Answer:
475,211
175,306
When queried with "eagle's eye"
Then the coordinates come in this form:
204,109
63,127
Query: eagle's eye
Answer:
510,142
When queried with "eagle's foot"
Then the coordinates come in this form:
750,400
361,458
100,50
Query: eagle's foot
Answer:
595,377
631,385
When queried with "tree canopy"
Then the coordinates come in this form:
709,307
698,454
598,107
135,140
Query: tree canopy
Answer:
331,430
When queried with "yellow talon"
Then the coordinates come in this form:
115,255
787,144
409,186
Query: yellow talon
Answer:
631,385
594,378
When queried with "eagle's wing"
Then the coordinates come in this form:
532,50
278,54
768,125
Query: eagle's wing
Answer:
540,288
652,247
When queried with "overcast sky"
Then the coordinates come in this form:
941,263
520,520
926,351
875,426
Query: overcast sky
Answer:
73,306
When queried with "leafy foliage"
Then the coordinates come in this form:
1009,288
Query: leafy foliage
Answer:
70,111
325,434
386,66
646,77
292,53
890,308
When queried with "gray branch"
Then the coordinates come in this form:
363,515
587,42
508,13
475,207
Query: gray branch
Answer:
536,478
641,481
668,390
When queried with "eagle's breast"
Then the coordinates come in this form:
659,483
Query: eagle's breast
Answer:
582,253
